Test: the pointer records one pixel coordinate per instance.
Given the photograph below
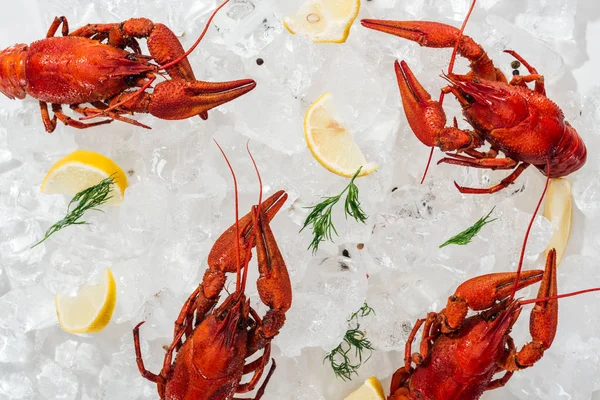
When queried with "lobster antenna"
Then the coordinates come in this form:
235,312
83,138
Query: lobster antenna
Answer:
187,53
428,164
257,174
257,207
450,67
558,296
516,285
460,35
237,219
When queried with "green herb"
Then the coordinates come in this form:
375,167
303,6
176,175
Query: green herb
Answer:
340,357
87,199
320,216
362,312
465,236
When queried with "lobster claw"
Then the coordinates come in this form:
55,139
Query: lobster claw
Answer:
180,99
482,292
428,34
222,255
426,116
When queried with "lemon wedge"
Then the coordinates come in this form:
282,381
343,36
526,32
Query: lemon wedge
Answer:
91,309
82,169
370,390
324,21
559,211
331,143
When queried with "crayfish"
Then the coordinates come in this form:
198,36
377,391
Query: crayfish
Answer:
80,67
522,123
213,342
459,355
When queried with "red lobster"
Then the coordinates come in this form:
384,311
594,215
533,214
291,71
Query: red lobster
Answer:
459,356
78,68
211,350
522,123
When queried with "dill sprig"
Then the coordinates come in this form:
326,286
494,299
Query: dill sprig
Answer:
87,199
320,216
468,234
354,338
362,312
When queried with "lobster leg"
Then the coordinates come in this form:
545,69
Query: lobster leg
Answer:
257,366
481,293
496,188
186,316
491,163
539,79
426,116
492,153
498,383
162,42
437,35
261,390
87,111
49,124
408,349
542,323
140,361
181,327
55,24
57,109
398,389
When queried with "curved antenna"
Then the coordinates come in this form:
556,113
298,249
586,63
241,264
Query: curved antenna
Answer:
558,296
450,67
255,227
516,285
257,174
460,35
237,219
197,42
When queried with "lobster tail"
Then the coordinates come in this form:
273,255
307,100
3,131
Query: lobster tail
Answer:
13,80
569,156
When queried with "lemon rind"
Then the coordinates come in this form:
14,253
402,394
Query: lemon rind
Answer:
95,161
104,314
368,168
345,33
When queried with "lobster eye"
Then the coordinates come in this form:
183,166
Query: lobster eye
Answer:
469,98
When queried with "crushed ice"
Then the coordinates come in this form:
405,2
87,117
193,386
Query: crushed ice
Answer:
180,199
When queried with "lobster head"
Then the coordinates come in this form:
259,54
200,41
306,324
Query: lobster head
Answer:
483,338
489,105
218,345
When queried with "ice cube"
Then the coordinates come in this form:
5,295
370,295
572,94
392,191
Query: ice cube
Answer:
16,386
55,382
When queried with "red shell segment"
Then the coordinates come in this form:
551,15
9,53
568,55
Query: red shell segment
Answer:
463,364
13,79
74,70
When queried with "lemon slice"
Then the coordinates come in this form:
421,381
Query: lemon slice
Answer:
82,169
559,211
330,141
91,310
370,390
324,21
